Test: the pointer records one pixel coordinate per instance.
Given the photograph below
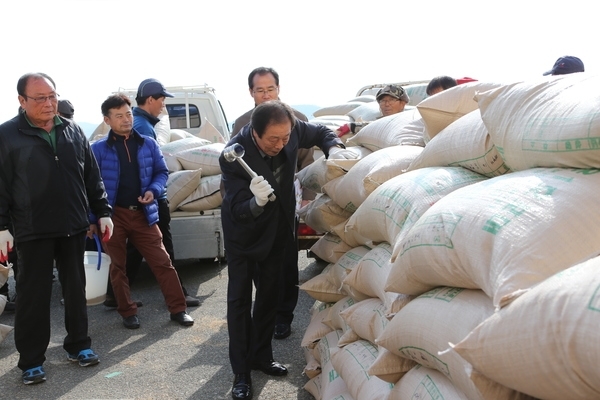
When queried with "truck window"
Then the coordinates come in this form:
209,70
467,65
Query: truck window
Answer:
177,116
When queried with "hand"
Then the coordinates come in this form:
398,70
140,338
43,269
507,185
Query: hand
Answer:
261,189
342,130
106,227
6,245
337,153
147,199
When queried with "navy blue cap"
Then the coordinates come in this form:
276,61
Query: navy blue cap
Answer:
152,87
566,65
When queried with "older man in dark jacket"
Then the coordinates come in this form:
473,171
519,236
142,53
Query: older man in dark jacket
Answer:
48,179
257,230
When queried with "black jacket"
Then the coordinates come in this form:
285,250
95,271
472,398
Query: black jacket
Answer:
253,237
46,192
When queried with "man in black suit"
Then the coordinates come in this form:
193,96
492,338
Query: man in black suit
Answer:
256,230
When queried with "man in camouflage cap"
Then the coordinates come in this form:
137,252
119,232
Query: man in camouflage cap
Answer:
392,99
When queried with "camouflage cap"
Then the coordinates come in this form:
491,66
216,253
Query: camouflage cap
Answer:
395,91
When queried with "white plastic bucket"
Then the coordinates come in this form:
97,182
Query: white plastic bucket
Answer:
96,266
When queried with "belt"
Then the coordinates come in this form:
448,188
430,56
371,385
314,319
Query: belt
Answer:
132,208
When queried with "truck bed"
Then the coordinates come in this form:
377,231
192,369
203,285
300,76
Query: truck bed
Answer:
197,234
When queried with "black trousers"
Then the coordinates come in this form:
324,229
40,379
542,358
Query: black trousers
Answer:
251,329
134,257
289,291
34,286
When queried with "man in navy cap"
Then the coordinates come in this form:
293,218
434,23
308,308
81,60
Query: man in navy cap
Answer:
566,65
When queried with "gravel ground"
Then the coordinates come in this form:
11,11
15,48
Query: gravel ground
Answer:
161,360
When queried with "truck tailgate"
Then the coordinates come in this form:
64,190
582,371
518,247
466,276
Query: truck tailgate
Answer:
197,234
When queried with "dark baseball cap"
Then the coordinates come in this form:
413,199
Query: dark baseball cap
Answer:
566,65
66,109
152,87
395,91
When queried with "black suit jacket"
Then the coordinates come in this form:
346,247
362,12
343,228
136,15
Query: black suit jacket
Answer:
253,237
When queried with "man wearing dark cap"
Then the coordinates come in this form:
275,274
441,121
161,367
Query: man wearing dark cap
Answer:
391,99
66,109
150,99
566,65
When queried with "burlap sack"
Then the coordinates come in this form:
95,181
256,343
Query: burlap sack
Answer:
503,235
441,110
464,143
352,363
546,342
427,384
180,185
545,122
387,132
351,190
205,157
423,328
398,203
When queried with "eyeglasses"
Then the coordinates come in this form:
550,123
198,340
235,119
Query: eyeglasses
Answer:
42,99
269,90
388,101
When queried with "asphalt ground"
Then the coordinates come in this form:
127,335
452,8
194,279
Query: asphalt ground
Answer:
161,359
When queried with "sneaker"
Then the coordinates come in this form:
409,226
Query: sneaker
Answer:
85,357
34,375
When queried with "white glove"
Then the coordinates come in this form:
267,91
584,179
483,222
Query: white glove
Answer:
337,153
261,189
106,228
6,244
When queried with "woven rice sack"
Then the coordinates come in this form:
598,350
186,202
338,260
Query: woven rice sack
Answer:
180,185
369,278
398,203
503,235
313,366
330,248
205,157
425,383
163,128
4,331
441,109
322,214
370,172
387,132
334,320
177,134
423,328
366,112
551,353
338,109
313,386
317,328
390,367
173,148
328,286
321,171
210,133
3,301
464,143
332,384
352,363
545,122
366,318
173,164
206,196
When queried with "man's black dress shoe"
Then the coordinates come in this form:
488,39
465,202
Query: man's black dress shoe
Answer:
272,368
242,387
182,318
282,331
131,322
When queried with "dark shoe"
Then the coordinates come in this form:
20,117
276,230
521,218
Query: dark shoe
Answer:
85,357
282,331
34,375
182,318
131,322
242,387
272,368
191,301
111,302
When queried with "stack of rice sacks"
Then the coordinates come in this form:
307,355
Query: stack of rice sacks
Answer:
473,273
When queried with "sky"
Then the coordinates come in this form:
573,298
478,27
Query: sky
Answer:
324,50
